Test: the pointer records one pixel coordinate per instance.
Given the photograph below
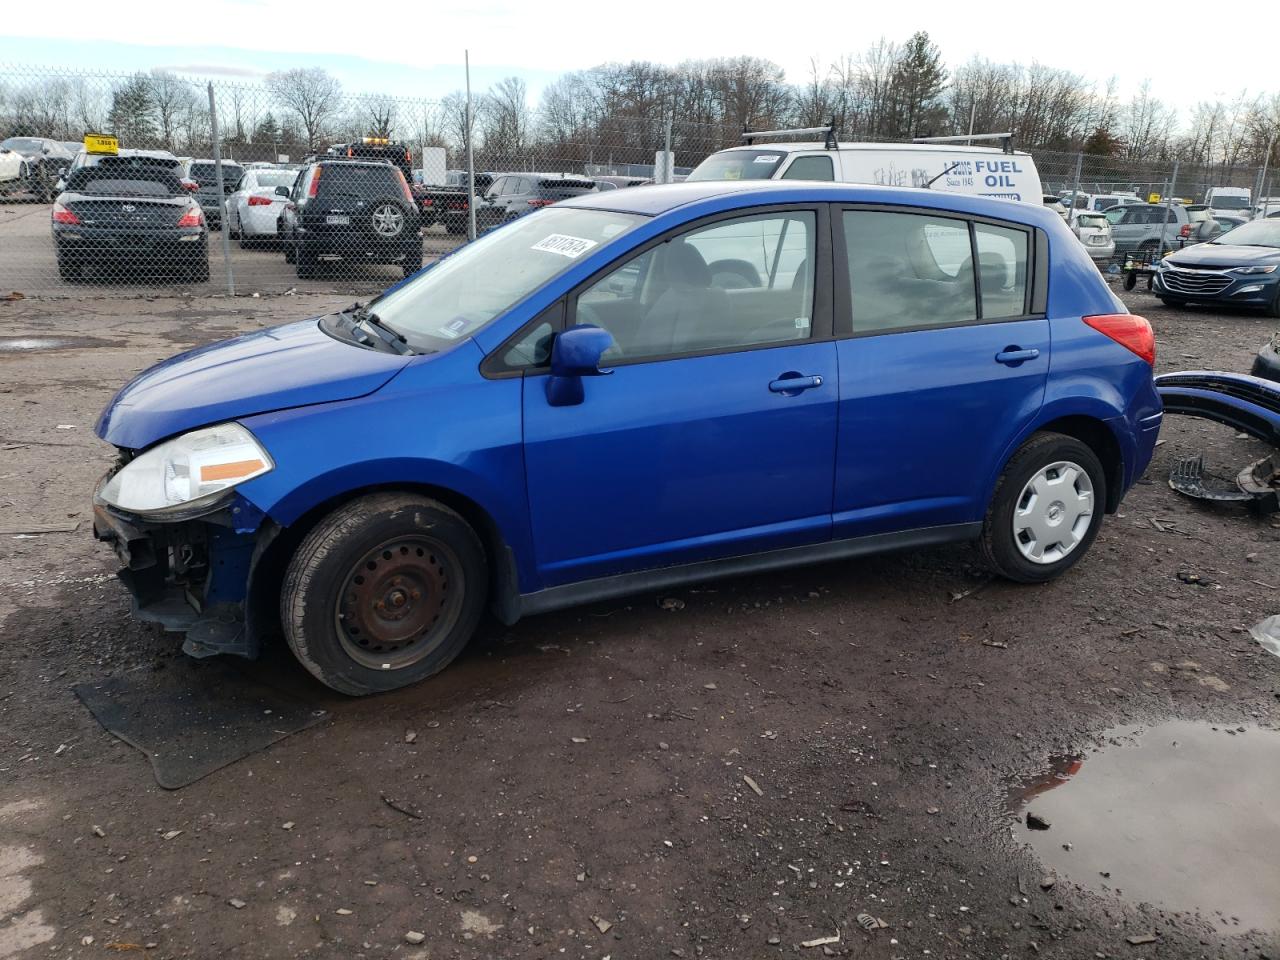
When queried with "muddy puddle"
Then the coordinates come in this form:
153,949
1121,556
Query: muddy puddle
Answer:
1184,816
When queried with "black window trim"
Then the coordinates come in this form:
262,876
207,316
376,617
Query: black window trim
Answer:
820,325
1037,269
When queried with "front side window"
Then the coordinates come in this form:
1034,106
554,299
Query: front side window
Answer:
735,283
810,168
908,271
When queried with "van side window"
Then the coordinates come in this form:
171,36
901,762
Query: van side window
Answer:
907,270
1002,271
810,168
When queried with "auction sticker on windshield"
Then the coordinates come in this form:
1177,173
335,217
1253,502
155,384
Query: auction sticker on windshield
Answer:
565,245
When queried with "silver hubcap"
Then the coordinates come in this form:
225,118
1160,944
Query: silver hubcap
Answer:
1053,512
388,220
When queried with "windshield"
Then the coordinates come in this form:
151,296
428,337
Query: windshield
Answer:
738,165
1256,233
486,278
1092,220
206,174
1230,203
123,180
275,178
23,145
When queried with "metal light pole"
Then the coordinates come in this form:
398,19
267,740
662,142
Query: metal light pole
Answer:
222,195
1262,180
471,160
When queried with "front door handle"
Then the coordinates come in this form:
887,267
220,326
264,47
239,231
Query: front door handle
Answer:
1014,355
791,384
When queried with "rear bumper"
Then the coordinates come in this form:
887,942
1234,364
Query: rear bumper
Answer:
358,246
259,221
142,247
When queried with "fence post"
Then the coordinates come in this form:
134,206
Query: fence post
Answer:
222,194
471,160
1168,209
1075,186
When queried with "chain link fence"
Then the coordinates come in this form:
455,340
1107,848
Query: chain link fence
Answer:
200,197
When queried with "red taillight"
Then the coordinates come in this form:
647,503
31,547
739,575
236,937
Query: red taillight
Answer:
350,152
1130,331
540,203
257,201
189,185
1185,231
315,182
62,215
192,218
404,185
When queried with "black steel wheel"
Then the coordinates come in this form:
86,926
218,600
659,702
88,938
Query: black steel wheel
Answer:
383,592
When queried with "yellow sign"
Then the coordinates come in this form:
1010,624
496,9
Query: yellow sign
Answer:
101,143
1153,198
376,141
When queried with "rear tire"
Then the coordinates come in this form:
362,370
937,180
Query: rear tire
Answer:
68,269
411,265
306,266
290,253
384,591
1036,490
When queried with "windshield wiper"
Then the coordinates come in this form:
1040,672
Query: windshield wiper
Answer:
386,333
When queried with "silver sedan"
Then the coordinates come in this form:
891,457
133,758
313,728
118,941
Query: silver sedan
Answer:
254,207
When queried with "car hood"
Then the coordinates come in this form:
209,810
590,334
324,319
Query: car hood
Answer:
290,366
1224,254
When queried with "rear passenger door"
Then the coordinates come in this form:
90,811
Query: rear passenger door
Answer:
943,355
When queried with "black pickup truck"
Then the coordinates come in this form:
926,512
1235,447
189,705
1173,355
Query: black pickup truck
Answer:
448,204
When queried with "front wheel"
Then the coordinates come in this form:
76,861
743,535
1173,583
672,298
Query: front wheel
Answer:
383,592
1046,509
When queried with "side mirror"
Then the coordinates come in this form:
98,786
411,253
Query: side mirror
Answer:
575,354
62,171
282,191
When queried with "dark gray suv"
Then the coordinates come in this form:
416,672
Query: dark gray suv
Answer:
205,174
514,194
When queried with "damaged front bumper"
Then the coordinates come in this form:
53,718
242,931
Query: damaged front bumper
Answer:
1246,403
192,576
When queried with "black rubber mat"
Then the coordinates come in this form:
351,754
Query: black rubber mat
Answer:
194,716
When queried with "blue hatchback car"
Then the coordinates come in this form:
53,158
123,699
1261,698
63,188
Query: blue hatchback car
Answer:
624,392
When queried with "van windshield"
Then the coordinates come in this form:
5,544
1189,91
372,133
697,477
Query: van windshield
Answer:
1230,203
484,279
739,165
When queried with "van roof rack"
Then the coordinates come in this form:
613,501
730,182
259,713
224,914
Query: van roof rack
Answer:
828,132
1006,139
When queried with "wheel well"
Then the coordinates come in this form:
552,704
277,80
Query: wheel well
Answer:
1097,436
277,546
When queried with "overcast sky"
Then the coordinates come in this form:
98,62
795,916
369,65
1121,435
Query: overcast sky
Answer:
415,49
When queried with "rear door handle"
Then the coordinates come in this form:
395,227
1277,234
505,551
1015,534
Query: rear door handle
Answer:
794,384
1014,355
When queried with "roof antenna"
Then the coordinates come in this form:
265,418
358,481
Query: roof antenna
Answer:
941,175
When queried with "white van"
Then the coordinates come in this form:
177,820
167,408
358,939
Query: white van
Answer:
1235,201
944,166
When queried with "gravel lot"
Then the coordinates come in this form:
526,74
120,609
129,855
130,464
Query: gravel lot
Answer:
594,763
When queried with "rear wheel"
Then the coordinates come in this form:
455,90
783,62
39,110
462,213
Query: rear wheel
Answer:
411,264
290,253
198,272
385,591
68,269
305,264
1046,509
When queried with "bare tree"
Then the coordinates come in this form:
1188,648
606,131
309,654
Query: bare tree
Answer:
311,95
172,99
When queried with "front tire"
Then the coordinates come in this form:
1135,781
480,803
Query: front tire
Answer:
383,592
1046,509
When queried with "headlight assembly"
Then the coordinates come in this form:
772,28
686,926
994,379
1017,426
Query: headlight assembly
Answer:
1259,268
188,475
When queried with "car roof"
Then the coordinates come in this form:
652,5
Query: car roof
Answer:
658,199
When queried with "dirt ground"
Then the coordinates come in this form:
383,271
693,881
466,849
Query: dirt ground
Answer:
593,764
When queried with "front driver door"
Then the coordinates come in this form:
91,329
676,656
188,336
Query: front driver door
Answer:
715,433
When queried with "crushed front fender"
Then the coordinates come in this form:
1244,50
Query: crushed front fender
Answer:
1245,403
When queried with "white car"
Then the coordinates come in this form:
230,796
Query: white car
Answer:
253,208
1093,230
13,167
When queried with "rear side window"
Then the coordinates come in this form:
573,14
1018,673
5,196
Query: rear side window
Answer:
908,271
1002,270
810,168
361,180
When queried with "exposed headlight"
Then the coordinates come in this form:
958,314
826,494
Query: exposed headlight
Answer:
188,475
1269,268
